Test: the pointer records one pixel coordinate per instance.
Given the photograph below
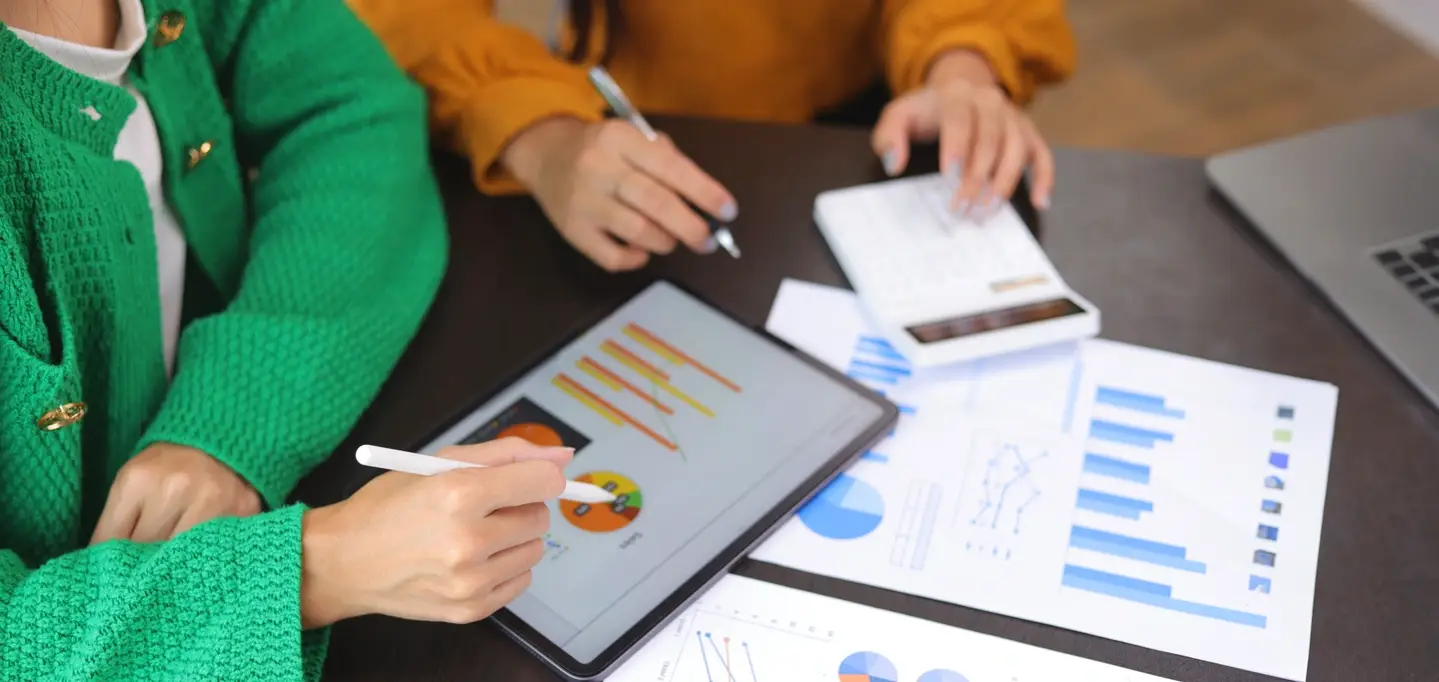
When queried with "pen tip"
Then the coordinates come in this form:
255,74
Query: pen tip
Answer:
726,240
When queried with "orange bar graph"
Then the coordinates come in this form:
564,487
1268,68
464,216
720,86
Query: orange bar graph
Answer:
622,354
648,371
615,381
577,392
565,383
674,355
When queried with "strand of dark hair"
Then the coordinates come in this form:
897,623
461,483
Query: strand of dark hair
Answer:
582,19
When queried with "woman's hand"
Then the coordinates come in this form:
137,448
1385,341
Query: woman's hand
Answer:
167,489
614,194
984,139
454,547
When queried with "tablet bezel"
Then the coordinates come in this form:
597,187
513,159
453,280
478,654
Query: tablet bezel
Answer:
555,656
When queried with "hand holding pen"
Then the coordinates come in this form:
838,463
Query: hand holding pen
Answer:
618,191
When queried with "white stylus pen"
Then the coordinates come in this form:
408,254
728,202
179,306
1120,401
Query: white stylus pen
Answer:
425,465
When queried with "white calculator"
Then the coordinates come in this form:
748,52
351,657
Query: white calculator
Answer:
942,288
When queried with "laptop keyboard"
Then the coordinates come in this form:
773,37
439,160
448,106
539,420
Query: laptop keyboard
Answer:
1415,264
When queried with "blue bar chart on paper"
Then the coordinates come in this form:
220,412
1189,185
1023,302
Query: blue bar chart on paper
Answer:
1141,426
1181,526
875,363
1165,501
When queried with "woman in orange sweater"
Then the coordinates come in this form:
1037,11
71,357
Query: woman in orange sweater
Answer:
524,113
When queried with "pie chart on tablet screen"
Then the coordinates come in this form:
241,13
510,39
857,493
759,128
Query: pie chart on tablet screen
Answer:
867,666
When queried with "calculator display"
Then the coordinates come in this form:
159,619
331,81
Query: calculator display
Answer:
994,320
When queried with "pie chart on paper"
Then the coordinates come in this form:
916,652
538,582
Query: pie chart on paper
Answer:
942,676
867,666
846,509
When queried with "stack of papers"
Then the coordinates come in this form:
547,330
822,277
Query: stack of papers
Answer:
749,631
1156,499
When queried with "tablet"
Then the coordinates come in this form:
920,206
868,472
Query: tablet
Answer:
711,433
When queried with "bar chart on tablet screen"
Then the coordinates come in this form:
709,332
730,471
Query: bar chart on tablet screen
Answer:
642,367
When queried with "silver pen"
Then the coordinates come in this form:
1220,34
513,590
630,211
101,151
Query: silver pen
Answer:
615,97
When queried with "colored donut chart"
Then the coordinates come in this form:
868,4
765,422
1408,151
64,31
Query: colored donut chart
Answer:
605,518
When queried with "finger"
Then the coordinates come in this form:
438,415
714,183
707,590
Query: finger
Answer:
157,518
514,526
506,451
988,131
613,256
507,591
890,138
956,137
194,516
515,561
1012,160
667,165
662,215
1042,165
512,485
117,520
635,227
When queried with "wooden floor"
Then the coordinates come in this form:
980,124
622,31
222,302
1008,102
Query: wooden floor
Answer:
1196,77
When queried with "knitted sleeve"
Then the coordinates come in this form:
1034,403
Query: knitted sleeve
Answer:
487,80
1028,43
219,602
346,251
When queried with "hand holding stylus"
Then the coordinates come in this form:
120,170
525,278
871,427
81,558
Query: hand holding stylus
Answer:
424,465
453,547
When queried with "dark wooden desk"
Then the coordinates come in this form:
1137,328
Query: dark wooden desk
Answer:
1141,236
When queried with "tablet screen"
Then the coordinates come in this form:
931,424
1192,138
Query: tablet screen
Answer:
699,424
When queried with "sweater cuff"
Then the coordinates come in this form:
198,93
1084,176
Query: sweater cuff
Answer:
910,71
274,487
501,110
264,569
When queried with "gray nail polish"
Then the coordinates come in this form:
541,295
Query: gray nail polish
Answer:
710,246
891,163
728,212
1043,202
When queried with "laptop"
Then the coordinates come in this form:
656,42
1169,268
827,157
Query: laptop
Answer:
1355,208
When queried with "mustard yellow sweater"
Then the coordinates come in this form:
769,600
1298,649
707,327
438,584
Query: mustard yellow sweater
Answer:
770,60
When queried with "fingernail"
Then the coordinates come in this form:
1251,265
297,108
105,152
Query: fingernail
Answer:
962,208
891,162
991,208
951,171
711,245
1043,202
728,212
553,454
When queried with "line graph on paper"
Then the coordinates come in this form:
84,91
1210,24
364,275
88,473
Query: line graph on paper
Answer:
1001,484
717,644
723,661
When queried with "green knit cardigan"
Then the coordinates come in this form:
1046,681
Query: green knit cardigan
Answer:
296,162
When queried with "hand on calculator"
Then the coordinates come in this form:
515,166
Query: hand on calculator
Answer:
985,141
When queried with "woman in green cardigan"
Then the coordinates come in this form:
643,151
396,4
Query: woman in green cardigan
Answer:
218,231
